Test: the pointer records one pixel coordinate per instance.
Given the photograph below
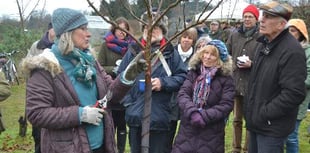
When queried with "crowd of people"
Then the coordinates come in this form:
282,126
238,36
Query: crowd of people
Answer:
259,71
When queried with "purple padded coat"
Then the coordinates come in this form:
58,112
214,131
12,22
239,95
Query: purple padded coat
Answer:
52,104
209,139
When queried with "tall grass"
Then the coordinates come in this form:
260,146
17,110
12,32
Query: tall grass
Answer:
13,108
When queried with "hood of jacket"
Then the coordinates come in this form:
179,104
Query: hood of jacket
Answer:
46,60
301,26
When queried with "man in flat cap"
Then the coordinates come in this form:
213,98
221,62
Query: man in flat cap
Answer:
276,84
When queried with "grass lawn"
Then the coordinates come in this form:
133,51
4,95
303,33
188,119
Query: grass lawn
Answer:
13,108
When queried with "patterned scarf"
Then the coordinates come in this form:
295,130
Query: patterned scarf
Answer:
84,70
119,46
202,86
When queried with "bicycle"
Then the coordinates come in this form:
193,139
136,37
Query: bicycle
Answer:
8,67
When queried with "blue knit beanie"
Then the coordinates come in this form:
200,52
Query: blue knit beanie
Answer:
65,20
221,47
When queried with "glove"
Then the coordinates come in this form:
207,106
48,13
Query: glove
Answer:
92,115
197,120
136,66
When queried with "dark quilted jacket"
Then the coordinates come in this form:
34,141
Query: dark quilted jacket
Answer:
209,139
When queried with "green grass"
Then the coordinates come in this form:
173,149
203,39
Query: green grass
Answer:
13,108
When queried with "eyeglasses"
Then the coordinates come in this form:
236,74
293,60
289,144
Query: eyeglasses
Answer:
249,17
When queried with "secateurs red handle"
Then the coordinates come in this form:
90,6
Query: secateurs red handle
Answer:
102,103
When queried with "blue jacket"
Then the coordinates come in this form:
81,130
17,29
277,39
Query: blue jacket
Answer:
160,110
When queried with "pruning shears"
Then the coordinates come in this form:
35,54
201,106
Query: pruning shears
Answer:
102,103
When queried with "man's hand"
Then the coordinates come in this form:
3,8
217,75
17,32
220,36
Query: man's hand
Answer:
156,85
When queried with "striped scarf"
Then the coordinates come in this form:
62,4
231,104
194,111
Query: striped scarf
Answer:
202,86
119,46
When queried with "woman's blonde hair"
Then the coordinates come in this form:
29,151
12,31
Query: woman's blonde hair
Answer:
65,43
226,66
213,50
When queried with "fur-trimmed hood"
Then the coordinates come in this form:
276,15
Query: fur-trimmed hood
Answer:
46,60
226,69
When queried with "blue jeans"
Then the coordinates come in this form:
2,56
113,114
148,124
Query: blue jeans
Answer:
265,144
292,144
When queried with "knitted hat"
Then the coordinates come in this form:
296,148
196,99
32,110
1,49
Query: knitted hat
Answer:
301,26
221,47
278,9
163,23
252,9
65,20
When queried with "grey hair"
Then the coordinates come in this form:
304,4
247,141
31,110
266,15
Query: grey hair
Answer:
66,44
203,39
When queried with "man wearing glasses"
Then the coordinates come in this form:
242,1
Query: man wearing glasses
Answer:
241,45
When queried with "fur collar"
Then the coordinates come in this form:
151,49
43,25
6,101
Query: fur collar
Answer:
46,60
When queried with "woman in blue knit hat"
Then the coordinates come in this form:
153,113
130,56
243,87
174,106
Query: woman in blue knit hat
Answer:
65,85
205,100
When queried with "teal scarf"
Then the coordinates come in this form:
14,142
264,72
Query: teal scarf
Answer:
83,61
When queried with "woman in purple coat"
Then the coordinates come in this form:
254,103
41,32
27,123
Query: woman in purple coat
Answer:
205,100
67,90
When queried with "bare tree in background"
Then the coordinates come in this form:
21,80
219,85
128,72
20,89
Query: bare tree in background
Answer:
152,21
23,8
302,11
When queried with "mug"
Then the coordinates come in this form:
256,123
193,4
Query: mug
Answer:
141,85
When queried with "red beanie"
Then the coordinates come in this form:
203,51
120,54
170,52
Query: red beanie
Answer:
252,9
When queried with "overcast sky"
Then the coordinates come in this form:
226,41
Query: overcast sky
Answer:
9,7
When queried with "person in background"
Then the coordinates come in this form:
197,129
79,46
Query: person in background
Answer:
5,88
237,24
298,29
227,30
185,49
242,44
205,100
201,42
45,42
5,92
165,81
215,31
202,30
276,86
114,47
38,47
68,94
186,44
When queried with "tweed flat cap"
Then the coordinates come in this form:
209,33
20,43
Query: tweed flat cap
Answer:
278,9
